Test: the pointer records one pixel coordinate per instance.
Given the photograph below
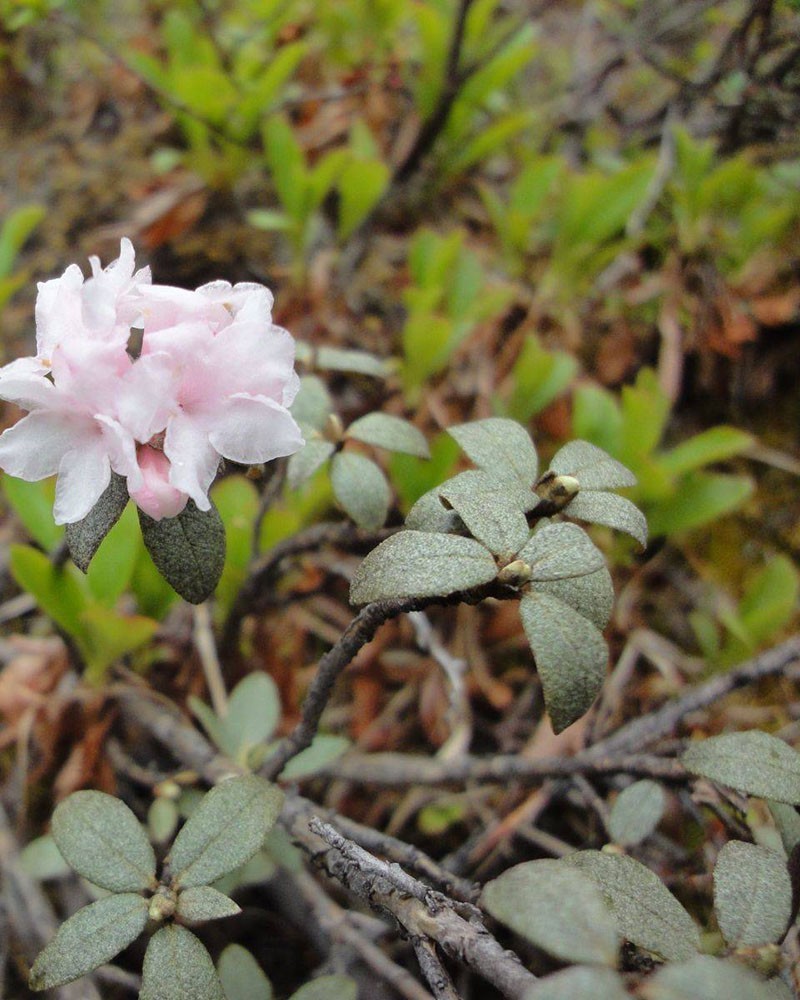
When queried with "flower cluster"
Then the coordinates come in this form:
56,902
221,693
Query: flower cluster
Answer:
155,383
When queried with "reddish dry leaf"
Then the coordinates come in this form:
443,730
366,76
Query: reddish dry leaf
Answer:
434,706
32,673
87,766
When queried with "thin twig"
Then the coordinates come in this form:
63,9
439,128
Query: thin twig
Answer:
206,647
463,939
438,977
394,770
357,634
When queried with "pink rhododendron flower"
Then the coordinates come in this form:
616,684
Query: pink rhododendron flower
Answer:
214,379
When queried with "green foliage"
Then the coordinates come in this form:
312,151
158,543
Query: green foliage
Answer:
15,232
101,839
33,505
673,486
636,812
241,975
738,629
538,377
752,894
449,295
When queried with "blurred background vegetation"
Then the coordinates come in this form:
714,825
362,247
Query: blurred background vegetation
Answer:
583,215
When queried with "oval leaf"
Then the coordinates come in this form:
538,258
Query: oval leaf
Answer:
102,840
637,812
752,894
556,907
430,514
176,964
571,656
361,488
327,988
91,937
611,510
491,508
84,537
591,596
254,709
313,404
421,564
594,468
386,431
241,975
561,552
201,902
646,911
304,463
706,977
580,983
753,762
188,550
226,829
500,446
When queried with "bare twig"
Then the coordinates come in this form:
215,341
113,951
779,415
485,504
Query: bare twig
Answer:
207,651
433,970
421,913
357,634
396,770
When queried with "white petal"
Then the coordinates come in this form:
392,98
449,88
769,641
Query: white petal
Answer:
121,450
253,429
82,476
194,462
23,382
33,448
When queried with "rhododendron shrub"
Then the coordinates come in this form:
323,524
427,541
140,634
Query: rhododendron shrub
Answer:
149,386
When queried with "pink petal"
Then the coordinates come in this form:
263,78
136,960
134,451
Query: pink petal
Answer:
156,496
252,429
147,396
194,463
23,382
255,358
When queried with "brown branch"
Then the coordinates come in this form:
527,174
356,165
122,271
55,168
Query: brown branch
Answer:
396,769
421,913
451,84
255,592
433,970
357,634
664,721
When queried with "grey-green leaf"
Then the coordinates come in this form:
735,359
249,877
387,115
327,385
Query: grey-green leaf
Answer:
241,975
324,750
361,488
571,656
91,937
752,894
327,988
491,508
787,820
84,537
561,552
312,404
646,911
430,514
594,468
580,983
611,510
102,840
421,564
42,860
705,978
591,596
226,829
188,550
557,908
304,463
636,812
393,433
753,762
254,709
201,902
500,446
176,964
343,359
